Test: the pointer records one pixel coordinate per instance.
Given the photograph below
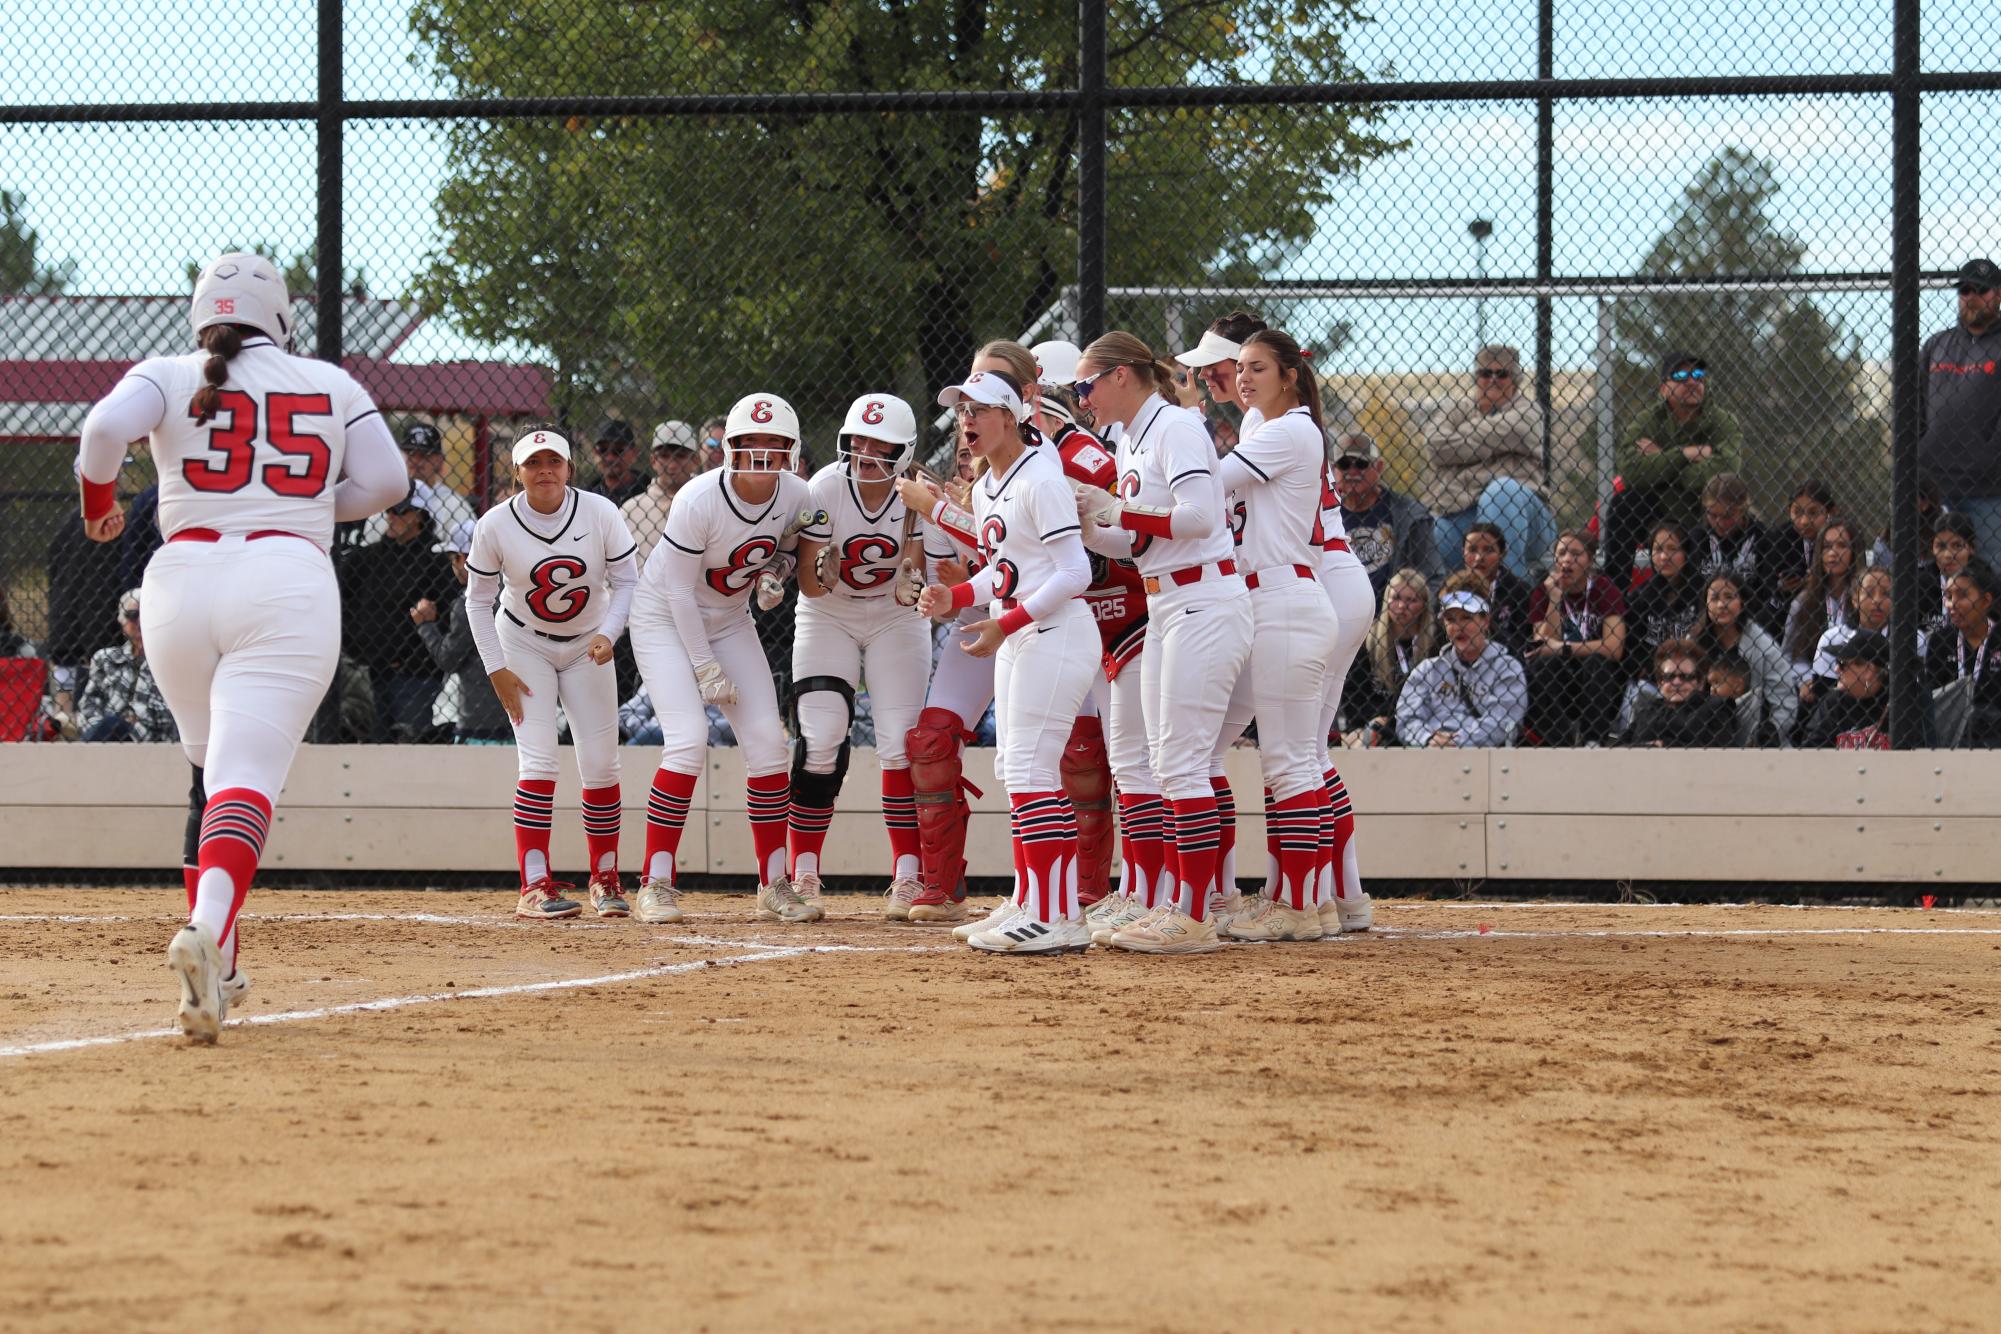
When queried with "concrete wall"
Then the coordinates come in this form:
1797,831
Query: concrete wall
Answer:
1497,815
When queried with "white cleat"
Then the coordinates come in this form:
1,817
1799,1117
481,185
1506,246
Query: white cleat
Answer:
1276,921
807,888
778,902
1003,910
1169,932
1023,934
659,903
1227,908
1130,912
197,961
235,988
1338,915
903,892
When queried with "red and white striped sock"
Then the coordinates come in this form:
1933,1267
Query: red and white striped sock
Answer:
601,821
1168,891
1346,877
1295,827
1198,840
234,825
805,833
1046,833
1226,833
534,816
666,814
1139,831
769,797
1271,851
899,813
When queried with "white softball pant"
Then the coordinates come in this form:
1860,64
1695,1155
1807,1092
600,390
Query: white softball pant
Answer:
243,637
1285,684
1042,675
677,701
1198,638
962,683
560,671
869,642
1345,581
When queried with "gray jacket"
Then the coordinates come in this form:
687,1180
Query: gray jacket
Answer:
1960,441
453,650
1404,543
1482,704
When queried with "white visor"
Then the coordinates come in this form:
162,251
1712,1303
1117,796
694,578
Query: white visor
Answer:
1464,601
527,446
1212,349
981,387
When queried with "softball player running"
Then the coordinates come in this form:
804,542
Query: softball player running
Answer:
239,609
1045,645
566,560
1169,518
855,624
695,644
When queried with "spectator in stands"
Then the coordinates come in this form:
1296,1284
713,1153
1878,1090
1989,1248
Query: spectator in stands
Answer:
13,644
1930,510
1852,716
1726,628
1790,547
1575,674
1959,419
712,443
1668,602
1953,548
379,585
23,679
1730,681
1682,713
142,532
1825,599
1666,457
1968,648
1869,609
424,459
1730,540
1484,552
1386,531
477,717
1404,634
617,452
1470,693
1486,464
83,595
121,702
676,461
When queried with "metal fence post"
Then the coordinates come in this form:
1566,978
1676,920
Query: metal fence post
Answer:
1545,216
330,116
1907,688
1091,79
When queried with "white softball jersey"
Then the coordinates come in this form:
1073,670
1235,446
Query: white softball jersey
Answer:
867,544
731,538
554,568
1276,473
1163,446
1019,515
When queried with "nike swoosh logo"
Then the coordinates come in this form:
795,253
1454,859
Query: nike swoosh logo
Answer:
580,537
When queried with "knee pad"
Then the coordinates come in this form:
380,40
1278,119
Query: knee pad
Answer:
933,749
1086,771
808,787
937,780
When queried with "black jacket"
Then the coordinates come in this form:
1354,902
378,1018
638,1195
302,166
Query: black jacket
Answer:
1659,611
1703,721
1838,714
379,584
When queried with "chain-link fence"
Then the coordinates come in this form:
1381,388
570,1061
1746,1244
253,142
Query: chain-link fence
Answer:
1623,314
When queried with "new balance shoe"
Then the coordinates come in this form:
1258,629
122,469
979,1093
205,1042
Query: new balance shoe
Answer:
778,902
1023,934
197,962
1338,915
543,902
659,902
937,910
808,889
608,895
1003,910
1106,908
903,892
1169,932
1276,921
1132,911
1227,908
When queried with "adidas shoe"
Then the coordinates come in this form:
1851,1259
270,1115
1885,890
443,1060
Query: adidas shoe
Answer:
1276,921
778,902
608,895
1169,932
195,959
1003,910
902,893
1129,913
540,902
807,888
1023,934
1356,914
659,902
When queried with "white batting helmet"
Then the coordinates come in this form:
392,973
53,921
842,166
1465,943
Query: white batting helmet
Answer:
761,414
1056,361
238,288
880,417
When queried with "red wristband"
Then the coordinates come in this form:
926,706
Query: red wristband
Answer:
99,499
962,596
1014,619
1153,525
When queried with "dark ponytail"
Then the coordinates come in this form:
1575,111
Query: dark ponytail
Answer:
222,342
1290,358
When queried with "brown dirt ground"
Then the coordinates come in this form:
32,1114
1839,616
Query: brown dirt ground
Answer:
1428,1128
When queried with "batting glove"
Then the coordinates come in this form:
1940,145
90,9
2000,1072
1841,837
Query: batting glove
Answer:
771,581
715,684
909,583
1096,505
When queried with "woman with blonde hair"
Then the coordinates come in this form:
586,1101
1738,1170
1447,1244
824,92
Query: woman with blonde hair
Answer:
1404,634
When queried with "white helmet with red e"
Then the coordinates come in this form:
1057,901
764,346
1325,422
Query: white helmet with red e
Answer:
240,288
883,417
760,414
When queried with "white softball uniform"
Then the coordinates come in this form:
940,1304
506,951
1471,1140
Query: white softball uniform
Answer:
692,608
559,579
1345,580
239,608
857,630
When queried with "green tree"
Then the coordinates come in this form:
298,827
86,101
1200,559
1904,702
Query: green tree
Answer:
21,267
1781,361
682,262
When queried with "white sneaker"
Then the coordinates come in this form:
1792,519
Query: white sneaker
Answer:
1003,910
193,955
1338,915
659,902
1169,932
903,892
778,902
1277,921
1227,908
1023,934
807,888
1109,906
1131,912
235,988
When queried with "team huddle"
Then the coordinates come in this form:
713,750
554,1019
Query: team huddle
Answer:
1128,602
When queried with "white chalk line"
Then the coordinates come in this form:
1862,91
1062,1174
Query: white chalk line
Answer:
1418,933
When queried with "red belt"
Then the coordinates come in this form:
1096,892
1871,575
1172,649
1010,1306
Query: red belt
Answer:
1335,544
210,535
1303,571
1194,574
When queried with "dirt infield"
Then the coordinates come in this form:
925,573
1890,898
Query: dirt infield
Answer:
1580,1117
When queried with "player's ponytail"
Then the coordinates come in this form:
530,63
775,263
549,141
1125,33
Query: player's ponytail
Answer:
222,342
1119,348
1290,358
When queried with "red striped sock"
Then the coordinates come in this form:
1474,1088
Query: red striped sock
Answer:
1139,833
601,822
666,813
1169,890
1341,823
534,815
899,813
1295,826
1226,835
233,828
1272,873
805,832
769,797
1198,838
1046,833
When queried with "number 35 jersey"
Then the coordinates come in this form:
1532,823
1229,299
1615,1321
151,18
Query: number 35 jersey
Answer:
732,538
552,566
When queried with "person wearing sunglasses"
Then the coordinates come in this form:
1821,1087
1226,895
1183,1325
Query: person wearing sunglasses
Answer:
1486,463
1960,409
1666,456
1387,530
616,450
1683,714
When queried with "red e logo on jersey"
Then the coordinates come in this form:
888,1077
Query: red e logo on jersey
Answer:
872,414
553,594
760,411
1006,575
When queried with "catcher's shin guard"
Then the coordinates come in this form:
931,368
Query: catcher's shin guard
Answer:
938,784
1087,781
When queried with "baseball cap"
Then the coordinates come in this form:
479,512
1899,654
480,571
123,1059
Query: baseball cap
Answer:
410,501
1358,446
1674,361
1056,361
1979,273
535,442
983,387
1863,646
1212,348
458,541
614,431
674,435
422,438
